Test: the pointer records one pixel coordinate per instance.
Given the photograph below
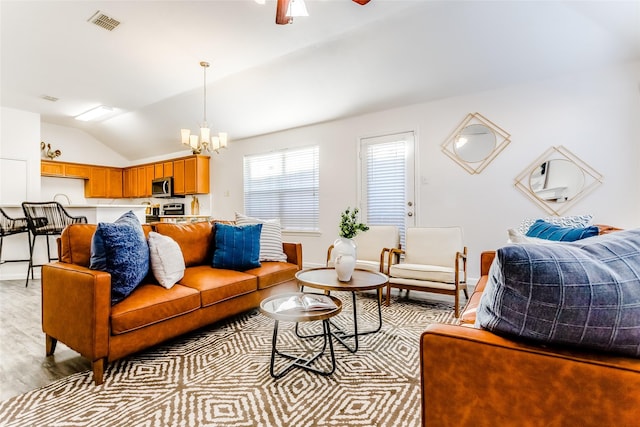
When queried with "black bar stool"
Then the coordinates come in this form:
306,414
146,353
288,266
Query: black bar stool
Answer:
8,227
46,219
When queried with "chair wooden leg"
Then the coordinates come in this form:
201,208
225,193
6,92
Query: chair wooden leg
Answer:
456,303
50,345
98,370
388,301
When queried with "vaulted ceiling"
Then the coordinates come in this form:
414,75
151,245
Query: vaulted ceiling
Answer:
342,60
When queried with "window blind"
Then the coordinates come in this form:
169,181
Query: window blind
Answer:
385,183
284,184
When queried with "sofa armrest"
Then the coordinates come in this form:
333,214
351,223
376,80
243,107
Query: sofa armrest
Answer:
486,259
76,306
472,377
293,251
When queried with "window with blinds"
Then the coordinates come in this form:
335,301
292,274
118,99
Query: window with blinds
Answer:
284,184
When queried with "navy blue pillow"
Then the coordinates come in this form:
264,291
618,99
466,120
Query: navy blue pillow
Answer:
120,248
237,247
584,293
545,230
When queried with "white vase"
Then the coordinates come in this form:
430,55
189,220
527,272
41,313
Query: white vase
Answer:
344,258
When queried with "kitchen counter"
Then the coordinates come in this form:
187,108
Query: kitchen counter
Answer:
183,218
94,212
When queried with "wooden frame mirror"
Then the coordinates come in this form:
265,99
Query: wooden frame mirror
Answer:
557,179
475,143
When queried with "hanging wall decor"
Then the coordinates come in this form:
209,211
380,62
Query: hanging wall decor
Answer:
475,143
557,179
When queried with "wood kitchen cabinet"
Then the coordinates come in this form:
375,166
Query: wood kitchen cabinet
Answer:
96,185
191,175
178,176
114,183
64,170
104,182
158,170
51,168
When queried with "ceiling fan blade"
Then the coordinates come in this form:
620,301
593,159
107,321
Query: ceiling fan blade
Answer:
361,2
281,12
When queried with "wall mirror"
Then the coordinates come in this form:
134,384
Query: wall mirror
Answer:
557,179
475,143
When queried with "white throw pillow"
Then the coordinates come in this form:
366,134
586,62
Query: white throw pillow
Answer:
270,237
167,262
517,237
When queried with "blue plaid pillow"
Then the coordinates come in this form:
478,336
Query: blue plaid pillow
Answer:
583,293
545,230
237,247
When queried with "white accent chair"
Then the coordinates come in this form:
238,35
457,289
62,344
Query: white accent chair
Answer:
373,248
435,260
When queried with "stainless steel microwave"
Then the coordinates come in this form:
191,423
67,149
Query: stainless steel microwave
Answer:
162,187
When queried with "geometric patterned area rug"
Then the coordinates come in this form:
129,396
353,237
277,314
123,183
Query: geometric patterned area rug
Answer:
219,376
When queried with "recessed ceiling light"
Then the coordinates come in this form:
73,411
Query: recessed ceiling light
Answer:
49,98
94,113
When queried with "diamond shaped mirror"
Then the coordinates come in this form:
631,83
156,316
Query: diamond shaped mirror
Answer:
557,179
475,143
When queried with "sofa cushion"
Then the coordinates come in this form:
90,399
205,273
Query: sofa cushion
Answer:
272,273
149,304
167,262
270,237
584,293
195,240
216,285
237,247
120,248
544,230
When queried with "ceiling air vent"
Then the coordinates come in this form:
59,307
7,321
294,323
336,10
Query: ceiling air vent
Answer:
104,21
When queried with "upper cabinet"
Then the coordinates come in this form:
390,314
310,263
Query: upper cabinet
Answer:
64,170
190,175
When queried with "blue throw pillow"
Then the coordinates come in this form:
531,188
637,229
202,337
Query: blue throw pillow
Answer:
545,230
584,293
120,248
237,247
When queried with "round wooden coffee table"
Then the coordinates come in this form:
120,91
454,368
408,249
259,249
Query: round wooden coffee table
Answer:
272,307
326,279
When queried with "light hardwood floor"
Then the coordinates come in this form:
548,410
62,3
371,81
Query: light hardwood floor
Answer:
23,364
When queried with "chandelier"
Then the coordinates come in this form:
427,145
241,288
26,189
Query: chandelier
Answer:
204,142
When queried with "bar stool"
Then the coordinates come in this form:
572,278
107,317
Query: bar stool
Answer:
46,219
10,226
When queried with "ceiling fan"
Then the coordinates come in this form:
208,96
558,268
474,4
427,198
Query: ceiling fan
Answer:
283,6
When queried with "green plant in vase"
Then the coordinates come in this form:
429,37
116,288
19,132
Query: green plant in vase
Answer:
344,248
349,224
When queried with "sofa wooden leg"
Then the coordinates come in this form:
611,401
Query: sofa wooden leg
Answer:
98,370
50,345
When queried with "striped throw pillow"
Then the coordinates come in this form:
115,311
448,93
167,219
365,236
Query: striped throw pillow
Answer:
270,237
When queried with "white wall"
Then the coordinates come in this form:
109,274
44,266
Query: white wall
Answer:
596,115
19,141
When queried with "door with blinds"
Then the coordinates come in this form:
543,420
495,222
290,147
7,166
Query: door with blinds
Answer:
387,176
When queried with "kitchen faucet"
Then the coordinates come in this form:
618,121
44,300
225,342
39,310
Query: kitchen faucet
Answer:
62,195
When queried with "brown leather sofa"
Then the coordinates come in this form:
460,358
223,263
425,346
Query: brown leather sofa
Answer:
76,301
472,377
